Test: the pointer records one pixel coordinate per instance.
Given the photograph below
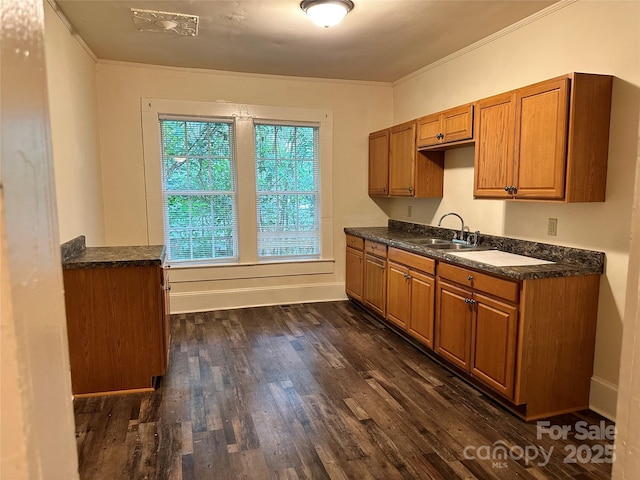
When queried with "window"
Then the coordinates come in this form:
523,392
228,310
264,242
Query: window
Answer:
287,193
198,189
247,187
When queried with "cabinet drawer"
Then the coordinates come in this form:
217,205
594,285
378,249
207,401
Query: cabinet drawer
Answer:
411,260
375,248
355,242
499,287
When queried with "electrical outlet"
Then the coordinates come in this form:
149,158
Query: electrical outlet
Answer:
409,211
552,227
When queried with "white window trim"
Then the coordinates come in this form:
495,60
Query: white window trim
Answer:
244,116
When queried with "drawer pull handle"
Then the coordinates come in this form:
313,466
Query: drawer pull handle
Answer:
470,278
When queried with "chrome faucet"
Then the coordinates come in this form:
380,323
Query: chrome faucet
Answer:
455,236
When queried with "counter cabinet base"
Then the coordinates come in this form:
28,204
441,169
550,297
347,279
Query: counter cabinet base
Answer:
520,411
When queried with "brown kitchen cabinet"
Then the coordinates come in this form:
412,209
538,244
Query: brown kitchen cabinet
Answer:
396,169
547,141
375,277
450,126
379,163
528,343
402,157
354,281
411,293
478,334
117,325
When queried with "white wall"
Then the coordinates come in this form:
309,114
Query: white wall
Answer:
36,411
586,36
71,78
357,107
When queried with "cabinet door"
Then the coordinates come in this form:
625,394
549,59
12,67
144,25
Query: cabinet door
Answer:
429,130
354,273
422,311
375,283
402,154
379,163
457,124
493,351
398,295
453,324
542,112
166,318
494,133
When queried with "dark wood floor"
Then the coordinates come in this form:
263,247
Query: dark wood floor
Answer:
311,391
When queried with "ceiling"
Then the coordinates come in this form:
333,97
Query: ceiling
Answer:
379,40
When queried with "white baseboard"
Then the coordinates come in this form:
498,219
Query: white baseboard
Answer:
603,398
203,301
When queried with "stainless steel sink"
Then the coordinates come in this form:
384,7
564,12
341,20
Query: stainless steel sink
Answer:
455,246
428,241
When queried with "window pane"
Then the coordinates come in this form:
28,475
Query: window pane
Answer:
286,175
285,142
265,141
266,175
199,189
199,174
306,176
287,191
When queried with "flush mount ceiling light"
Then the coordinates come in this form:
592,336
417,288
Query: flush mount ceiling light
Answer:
154,21
326,13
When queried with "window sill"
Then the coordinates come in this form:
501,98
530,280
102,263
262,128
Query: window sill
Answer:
235,271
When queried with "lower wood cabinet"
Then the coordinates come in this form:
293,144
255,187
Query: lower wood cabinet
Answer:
355,273
375,281
493,343
478,334
410,294
528,343
118,327
453,325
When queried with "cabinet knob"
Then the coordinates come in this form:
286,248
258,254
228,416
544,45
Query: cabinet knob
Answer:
470,278
469,301
410,189
384,189
514,190
406,276
507,189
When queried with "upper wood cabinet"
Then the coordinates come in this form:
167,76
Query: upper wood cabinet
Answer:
397,169
547,141
495,125
379,163
453,125
402,156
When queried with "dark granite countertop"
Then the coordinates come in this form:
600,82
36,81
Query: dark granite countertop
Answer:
75,255
568,261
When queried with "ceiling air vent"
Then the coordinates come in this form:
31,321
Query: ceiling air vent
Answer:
167,22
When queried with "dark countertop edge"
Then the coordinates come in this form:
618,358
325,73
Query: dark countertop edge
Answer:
79,260
72,248
518,273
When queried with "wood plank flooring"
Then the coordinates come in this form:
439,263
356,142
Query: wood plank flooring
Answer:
315,391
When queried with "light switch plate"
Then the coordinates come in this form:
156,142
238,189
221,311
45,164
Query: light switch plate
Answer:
552,227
